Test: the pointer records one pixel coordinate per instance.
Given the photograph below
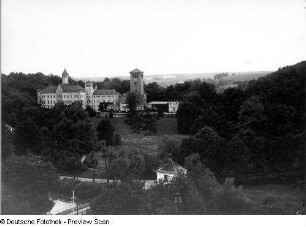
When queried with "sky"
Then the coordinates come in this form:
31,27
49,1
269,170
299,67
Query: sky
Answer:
97,38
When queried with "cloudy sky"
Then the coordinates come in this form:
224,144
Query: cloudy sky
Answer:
111,37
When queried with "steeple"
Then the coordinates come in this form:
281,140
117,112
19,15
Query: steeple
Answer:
65,77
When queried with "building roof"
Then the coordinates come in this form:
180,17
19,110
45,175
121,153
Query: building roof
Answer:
49,89
64,74
157,103
126,93
71,88
89,82
106,92
66,89
136,71
170,166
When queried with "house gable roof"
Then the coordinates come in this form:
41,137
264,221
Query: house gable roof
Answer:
136,71
170,167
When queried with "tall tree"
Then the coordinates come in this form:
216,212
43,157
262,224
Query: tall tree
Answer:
132,104
119,199
105,131
28,182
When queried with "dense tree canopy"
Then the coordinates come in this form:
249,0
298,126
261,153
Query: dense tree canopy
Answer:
105,131
256,124
27,182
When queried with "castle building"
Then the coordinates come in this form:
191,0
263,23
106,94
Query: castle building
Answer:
91,96
64,92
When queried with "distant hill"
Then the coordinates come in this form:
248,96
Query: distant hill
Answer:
245,76
168,79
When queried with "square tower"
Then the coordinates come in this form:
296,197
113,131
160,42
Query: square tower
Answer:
136,82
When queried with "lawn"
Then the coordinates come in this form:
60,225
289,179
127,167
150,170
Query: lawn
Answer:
165,126
275,198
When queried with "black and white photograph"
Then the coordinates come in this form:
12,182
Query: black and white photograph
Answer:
153,107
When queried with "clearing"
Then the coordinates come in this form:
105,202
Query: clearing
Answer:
166,127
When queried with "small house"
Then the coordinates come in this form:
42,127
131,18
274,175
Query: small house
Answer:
168,170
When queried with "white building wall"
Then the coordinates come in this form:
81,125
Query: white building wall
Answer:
161,176
69,98
48,100
173,107
97,99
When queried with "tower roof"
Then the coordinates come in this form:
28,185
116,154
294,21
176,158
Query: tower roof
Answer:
64,74
136,71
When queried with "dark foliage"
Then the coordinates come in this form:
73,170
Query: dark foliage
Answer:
252,128
105,131
90,111
26,183
117,139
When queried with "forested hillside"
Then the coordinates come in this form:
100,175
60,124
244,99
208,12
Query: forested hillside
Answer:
251,132
254,133
38,144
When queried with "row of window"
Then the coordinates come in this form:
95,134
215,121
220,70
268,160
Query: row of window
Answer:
106,96
99,101
64,96
48,96
111,103
74,96
48,102
52,102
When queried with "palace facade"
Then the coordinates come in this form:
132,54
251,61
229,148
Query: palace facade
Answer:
91,96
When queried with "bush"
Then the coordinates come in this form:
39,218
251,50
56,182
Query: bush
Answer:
230,199
26,183
91,112
117,139
119,199
152,163
90,162
84,167
270,209
147,133
83,190
105,131
142,122
269,199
